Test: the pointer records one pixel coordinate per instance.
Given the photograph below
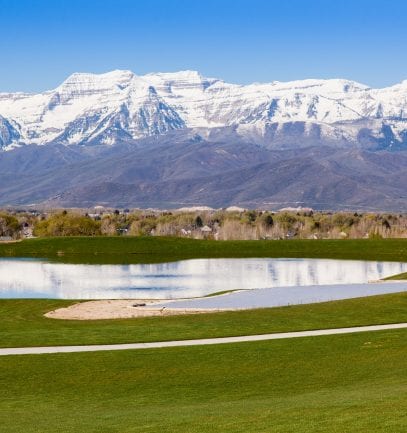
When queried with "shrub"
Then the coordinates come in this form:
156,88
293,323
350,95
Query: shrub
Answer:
9,225
65,224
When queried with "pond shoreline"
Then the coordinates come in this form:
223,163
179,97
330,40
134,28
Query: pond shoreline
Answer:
194,278
121,309
233,301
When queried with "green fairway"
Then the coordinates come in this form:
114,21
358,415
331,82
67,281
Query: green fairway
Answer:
22,322
354,382
335,384
350,383
155,249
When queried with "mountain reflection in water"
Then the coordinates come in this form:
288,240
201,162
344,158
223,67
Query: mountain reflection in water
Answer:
21,278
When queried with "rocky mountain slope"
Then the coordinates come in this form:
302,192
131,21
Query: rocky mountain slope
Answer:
180,170
179,139
120,106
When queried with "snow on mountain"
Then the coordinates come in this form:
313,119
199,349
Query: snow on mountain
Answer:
121,106
9,133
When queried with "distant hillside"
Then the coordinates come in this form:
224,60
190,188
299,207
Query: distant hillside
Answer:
180,139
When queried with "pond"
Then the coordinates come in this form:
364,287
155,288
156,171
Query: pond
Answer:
28,278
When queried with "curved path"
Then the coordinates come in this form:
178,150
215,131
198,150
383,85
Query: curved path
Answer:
200,342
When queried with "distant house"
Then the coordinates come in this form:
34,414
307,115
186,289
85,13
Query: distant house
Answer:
99,210
296,209
235,209
28,232
196,209
206,229
185,232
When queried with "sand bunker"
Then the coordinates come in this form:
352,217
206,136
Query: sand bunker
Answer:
120,309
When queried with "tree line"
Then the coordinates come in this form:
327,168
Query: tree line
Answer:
220,225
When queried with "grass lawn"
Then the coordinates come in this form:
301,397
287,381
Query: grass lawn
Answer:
22,322
346,383
402,276
155,249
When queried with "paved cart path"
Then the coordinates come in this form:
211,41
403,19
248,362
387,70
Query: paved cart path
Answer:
199,342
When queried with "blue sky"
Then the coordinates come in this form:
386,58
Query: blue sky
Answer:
242,41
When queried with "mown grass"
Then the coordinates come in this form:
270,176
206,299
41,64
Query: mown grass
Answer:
159,249
222,292
347,383
22,322
402,276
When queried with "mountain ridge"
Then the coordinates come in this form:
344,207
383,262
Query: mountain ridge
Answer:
179,139
176,171
120,106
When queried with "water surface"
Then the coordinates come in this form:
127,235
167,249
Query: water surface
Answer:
282,296
27,278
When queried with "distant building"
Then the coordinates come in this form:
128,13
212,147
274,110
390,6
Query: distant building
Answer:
196,209
296,209
28,232
235,209
99,210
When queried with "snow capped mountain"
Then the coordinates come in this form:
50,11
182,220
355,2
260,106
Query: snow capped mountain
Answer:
8,133
120,106
88,107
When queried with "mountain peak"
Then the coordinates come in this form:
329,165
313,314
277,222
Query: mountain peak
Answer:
189,75
119,105
86,79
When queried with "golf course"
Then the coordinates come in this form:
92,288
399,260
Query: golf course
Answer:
151,249
355,382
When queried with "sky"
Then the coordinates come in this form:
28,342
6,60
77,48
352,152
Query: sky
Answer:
241,41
